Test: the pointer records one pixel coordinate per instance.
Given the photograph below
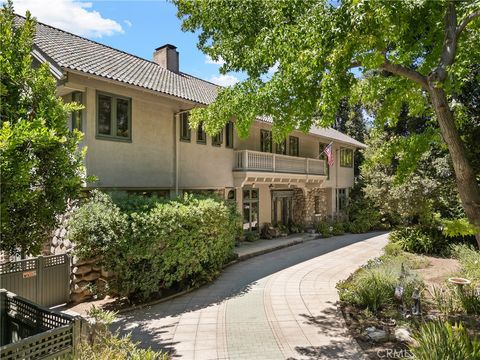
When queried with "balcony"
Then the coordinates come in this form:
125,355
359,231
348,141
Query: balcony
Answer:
256,161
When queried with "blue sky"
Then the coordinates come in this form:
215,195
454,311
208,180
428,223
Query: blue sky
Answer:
137,27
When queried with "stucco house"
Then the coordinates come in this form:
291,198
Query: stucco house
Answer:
135,123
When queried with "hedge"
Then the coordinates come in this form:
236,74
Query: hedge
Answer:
152,244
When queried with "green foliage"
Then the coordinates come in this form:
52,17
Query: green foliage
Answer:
41,165
469,259
458,227
251,236
415,240
97,226
393,249
103,345
441,340
183,242
373,286
323,228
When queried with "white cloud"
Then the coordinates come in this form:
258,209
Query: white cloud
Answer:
128,22
224,80
70,15
209,60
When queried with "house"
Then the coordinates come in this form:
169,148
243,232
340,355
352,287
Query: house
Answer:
136,129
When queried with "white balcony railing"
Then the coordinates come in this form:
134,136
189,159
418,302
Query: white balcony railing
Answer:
248,160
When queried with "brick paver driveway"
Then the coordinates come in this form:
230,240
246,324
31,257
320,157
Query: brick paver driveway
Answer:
279,305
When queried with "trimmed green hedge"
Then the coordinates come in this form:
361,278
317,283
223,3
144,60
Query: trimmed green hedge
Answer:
151,244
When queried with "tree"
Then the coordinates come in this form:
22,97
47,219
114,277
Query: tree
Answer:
349,120
428,47
41,164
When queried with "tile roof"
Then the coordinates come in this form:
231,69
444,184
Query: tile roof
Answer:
74,52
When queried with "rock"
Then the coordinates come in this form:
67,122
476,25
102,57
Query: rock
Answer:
431,317
91,276
57,232
403,334
63,232
52,250
81,286
378,335
55,241
60,250
106,274
96,267
67,243
80,270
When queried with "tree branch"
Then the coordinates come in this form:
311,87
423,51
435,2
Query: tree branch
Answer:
413,75
466,21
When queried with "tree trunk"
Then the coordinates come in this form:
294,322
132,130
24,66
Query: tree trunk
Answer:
468,188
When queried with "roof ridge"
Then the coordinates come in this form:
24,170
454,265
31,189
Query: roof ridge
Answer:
98,43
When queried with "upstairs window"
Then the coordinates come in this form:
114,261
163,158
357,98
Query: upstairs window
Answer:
77,115
229,135
217,140
293,148
201,134
185,131
281,148
114,119
346,157
265,140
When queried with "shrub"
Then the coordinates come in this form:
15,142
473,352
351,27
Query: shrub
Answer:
251,236
416,240
362,216
393,249
324,229
338,228
183,242
469,259
373,286
97,226
105,345
441,340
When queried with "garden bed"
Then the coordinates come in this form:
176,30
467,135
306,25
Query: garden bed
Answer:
380,328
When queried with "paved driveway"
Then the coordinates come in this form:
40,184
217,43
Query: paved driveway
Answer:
279,305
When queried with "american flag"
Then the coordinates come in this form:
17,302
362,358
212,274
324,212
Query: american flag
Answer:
329,152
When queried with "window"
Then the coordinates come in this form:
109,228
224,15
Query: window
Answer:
229,135
342,199
232,195
323,156
281,148
201,134
293,149
185,131
77,115
346,157
250,209
114,116
265,140
317,204
217,140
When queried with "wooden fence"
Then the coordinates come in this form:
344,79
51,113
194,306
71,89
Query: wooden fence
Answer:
43,280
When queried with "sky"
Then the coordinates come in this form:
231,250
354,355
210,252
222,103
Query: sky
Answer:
136,27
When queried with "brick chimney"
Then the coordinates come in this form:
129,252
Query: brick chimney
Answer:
167,57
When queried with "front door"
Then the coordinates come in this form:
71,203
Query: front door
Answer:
282,207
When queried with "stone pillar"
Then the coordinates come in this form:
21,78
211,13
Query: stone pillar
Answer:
320,195
299,206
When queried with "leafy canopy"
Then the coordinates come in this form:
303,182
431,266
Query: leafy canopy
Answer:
41,164
320,49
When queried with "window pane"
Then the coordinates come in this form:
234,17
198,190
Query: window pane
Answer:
185,132
265,141
246,216
254,216
229,139
201,136
104,115
293,146
123,113
254,193
217,140
246,194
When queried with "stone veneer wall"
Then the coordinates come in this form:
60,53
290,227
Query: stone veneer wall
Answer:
87,276
299,210
310,216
